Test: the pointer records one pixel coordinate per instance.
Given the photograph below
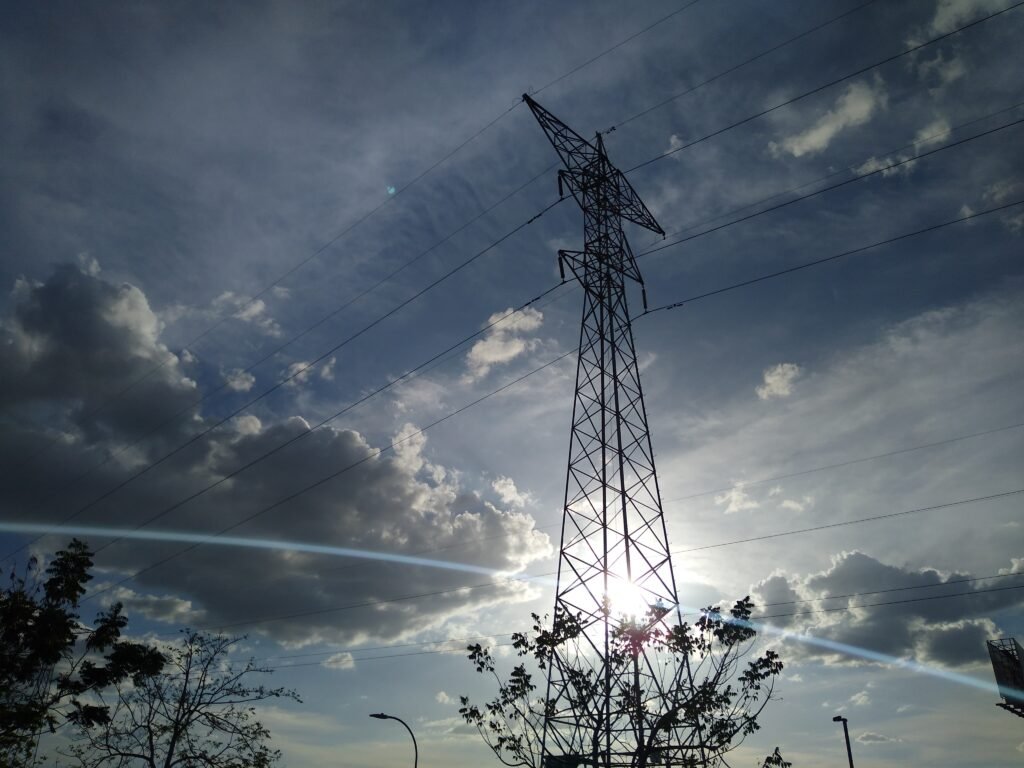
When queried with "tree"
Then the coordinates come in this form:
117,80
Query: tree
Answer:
50,662
715,698
197,714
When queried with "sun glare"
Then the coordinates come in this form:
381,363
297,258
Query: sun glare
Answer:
626,599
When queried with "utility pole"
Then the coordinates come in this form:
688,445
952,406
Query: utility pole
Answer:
614,556
846,735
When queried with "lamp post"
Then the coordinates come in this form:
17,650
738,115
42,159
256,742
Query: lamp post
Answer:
415,749
846,733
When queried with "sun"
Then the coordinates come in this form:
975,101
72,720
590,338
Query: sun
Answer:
625,599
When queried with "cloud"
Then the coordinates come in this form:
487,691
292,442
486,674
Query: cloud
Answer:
736,500
506,489
239,380
400,502
1002,192
797,506
327,370
443,698
950,14
860,699
869,737
504,342
932,133
854,107
77,343
343,660
942,70
298,373
947,632
778,381
163,608
251,311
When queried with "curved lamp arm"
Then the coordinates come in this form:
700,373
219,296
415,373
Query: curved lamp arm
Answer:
415,749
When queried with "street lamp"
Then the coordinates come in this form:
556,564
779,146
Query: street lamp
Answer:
846,733
415,749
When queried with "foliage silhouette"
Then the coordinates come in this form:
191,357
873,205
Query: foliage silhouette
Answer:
51,663
715,693
198,714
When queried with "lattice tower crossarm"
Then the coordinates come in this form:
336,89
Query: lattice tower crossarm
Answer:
614,544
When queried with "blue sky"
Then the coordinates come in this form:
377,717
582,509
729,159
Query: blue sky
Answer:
187,189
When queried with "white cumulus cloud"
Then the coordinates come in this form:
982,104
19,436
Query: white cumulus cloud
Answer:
504,342
854,107
778,381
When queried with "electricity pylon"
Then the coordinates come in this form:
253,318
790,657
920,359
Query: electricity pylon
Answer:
614,557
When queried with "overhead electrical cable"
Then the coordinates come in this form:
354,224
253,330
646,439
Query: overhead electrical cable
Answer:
875,171
546,575
855,168
826,259
849,462
324,422
662,308
302,370
745,63
836,609
298,371
617,45
894,589
845,523
820,88
333,475
860,177
391,196
904,601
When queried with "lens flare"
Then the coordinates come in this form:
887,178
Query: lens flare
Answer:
625,599
254,543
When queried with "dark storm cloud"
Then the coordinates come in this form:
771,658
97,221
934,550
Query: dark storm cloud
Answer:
949,631
76,341
397,503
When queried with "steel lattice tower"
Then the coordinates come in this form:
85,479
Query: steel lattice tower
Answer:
614,541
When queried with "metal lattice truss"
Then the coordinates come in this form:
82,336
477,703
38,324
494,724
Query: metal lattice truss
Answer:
614,550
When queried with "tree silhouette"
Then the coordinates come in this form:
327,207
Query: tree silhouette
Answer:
50,662
716,693
198,714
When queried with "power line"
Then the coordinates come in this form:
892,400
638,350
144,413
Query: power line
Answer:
889,602
617,45
335,474
284,275
834,257
665,307
281,446
821,88
838,465
744,63
762,481
848,169
837,609
391,196
894,589
849,462
845,523
303,369
531,577
298,372
823,190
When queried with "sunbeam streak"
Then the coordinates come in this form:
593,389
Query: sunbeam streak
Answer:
254,543
363,554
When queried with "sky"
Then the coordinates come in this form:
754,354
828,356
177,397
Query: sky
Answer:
246,247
